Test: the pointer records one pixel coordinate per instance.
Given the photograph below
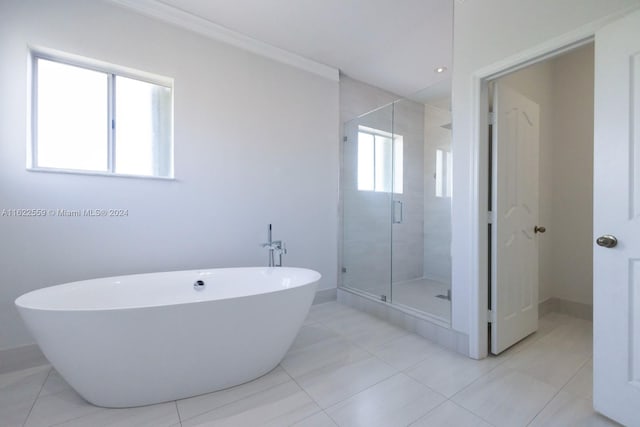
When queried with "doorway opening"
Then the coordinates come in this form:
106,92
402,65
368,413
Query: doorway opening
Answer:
540,194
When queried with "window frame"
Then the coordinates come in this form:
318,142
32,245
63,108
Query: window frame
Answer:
394,138
112,71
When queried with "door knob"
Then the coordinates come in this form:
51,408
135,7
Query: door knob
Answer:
539,229
607,241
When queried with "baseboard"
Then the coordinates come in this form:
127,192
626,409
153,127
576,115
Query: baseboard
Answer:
19,358
571,308
547,306
325,295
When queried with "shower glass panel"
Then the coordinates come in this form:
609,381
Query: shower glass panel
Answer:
421,235
396,187
367,180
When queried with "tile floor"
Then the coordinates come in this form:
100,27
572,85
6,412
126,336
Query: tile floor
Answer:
347,368
420,294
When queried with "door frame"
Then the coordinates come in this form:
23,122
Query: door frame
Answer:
479,294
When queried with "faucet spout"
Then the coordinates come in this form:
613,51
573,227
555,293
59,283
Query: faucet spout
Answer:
274,246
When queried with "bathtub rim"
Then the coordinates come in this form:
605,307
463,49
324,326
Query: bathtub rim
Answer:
21,306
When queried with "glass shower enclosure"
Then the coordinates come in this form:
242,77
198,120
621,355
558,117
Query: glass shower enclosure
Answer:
396,201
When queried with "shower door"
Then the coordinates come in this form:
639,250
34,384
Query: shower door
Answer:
396,193
421,208
367,216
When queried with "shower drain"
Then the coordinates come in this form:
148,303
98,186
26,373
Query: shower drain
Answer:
447,296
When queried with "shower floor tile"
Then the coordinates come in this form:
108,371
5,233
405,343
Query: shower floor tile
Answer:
419,294
347,368
422,295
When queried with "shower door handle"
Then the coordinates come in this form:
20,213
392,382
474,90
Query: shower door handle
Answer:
398,212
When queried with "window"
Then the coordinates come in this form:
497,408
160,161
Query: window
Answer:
94,118
380,161
444,176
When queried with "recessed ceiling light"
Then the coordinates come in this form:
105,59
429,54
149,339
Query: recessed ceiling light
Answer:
440,69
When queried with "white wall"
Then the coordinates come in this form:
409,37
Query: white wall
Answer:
487,32
572,204
256,142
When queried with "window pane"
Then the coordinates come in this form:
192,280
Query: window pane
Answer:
365,161
444,177
72,117
383,165
439,173
143,128
449,174
398,165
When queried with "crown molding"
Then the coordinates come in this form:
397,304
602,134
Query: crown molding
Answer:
180,18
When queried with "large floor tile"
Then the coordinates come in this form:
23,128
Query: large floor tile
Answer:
365,330
18,392
319,419
546,325
448,414
282,405
53,384
567,410
575,334
581,385
396,401
447,372
551,321
351,323
558,356
406,351
60,407
332,384
197,405
506,397
325,356
160,415
311,334
361,371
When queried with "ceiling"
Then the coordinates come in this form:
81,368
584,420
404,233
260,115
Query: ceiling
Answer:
391,44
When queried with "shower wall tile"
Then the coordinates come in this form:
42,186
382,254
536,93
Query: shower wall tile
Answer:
437,213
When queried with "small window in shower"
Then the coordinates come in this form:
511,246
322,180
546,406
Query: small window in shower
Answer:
380,161
444,177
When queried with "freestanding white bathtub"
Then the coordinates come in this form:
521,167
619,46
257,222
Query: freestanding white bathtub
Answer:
149,338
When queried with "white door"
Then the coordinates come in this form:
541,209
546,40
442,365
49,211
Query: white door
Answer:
514,250
616,270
